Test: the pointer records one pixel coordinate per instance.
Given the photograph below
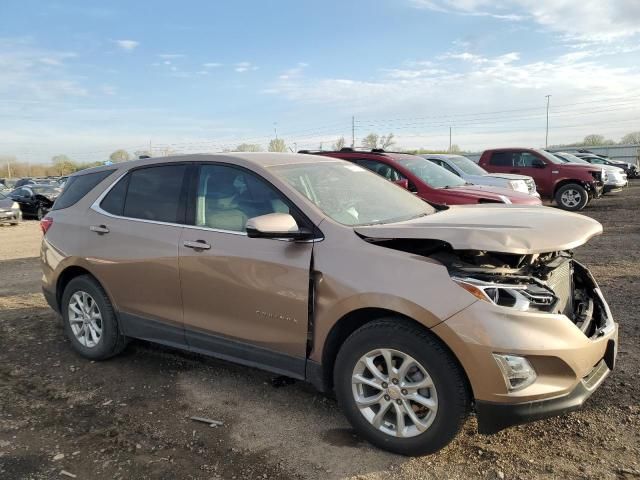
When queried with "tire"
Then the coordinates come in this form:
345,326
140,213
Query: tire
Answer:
449,388
110,341
40,213
572,197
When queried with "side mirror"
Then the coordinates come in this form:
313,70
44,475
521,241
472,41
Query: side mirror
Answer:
537,163
275,225
404,183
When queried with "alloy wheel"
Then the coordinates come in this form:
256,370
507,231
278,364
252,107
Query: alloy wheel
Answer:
571,198
394,392
85,319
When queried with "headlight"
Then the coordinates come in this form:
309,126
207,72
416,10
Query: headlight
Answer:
522,297
518,186
15,206
516,370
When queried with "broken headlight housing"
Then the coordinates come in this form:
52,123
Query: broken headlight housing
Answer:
525,297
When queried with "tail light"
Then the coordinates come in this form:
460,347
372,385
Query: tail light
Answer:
45,224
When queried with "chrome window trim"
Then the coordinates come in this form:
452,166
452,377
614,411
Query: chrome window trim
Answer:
95,206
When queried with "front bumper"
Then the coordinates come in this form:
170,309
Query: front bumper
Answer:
7,216
568,362
493,417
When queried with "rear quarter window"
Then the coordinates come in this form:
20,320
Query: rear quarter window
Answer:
77,187
501,159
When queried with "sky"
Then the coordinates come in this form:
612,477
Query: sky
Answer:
84,78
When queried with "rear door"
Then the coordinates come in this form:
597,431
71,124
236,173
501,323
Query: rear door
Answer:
245,299
133,233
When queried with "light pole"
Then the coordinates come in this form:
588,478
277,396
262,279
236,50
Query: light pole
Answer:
546,137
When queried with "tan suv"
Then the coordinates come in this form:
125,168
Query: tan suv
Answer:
320,270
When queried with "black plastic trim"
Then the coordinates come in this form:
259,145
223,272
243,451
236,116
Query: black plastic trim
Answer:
493,417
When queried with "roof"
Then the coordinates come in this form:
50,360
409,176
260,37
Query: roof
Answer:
261,159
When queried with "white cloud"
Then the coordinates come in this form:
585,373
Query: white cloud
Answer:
242,67
211,65
592,21
127,45
171,55
451,89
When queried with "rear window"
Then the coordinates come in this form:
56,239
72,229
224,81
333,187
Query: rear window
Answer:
77,187
153,193
501,159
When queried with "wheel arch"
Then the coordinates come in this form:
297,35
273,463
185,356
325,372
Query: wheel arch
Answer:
570,181
352,321
68,274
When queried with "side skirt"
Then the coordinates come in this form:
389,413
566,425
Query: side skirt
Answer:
212,346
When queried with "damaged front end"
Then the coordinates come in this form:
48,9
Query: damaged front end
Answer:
552,282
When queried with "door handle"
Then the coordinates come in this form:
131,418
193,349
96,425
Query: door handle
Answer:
197,245
99,229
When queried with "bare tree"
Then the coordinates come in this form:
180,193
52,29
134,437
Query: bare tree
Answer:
248,147
631,138
454,149
63,165
277,145
119,156
339,144
594,140
373,140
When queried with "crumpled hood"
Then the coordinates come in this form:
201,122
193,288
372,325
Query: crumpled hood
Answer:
513,229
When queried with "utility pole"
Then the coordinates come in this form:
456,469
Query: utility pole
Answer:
9,167
449,139
353,131
150,149
275,129
546,137
295,147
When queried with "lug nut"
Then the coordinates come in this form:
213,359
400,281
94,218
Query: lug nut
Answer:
394,381
404,392
399,402
384,385
387,397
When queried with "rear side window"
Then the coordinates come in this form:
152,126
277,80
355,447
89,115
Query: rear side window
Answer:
153,193
114,200
501,159
77,187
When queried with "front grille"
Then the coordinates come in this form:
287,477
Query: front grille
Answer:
561,282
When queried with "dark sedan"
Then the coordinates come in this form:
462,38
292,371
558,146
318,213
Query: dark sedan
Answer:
35,200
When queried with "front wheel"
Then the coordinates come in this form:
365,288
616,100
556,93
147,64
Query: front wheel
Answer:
572,197
400,388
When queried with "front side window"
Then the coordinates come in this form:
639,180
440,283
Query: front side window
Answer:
525,159
227,197
430,173
154,193
467,166
350,194
382,169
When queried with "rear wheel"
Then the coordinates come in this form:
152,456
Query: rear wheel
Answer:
572,197
40,213
400,388
90,322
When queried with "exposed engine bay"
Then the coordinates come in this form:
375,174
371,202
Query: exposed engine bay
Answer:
550,282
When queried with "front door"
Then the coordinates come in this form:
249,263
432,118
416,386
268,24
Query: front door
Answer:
245,299
524,164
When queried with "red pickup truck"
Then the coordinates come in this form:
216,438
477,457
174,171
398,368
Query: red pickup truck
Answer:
571,185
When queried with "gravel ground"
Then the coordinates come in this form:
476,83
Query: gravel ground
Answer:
129,417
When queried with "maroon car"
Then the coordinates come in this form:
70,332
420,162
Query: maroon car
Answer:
429,181
571,185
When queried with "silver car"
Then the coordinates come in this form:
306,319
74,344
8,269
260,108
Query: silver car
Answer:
473,173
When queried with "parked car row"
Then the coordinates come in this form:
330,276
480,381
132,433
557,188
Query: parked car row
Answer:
506,175
314,267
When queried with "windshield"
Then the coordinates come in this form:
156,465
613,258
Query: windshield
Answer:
433,175
352,195
567,157
549,156
467,166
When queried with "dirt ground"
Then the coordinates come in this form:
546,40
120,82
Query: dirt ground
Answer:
129,417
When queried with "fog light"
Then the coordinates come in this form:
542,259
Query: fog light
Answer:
517,371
